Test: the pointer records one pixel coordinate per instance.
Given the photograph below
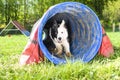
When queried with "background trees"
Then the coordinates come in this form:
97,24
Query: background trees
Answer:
111,13
29,11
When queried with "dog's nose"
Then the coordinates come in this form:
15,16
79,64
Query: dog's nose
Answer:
59,38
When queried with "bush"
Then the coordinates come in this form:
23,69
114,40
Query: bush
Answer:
111,12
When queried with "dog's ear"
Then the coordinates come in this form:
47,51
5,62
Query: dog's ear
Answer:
55,24
63,23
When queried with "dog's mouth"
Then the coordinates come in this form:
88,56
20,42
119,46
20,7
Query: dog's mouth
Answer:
59,41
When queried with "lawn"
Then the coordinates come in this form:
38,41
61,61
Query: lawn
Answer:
100,68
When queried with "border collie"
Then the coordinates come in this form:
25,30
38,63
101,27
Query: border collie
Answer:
59,35
59,32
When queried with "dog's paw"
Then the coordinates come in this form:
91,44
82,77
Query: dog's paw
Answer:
68,54
59,52
55,50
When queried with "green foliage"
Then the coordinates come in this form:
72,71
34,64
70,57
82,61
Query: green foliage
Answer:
111,12
100,68
28,12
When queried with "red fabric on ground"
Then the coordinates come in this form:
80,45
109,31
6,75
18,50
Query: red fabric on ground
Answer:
106,48
32,52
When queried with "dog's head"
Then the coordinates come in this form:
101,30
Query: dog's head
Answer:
59,32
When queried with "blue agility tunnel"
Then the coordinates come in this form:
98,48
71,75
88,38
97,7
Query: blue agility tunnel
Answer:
86,32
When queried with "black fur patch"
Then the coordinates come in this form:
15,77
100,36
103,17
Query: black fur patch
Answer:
54,23
54,30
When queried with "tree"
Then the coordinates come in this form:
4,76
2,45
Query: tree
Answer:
29,11
111,12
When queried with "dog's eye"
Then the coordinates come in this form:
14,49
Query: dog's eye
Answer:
62,32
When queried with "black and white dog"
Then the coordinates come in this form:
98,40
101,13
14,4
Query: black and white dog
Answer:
59,34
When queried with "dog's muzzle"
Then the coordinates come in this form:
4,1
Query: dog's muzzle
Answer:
59,39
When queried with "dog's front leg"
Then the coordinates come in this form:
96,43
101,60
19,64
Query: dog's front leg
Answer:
59,49
67,48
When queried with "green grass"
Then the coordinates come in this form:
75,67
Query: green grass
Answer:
100,68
